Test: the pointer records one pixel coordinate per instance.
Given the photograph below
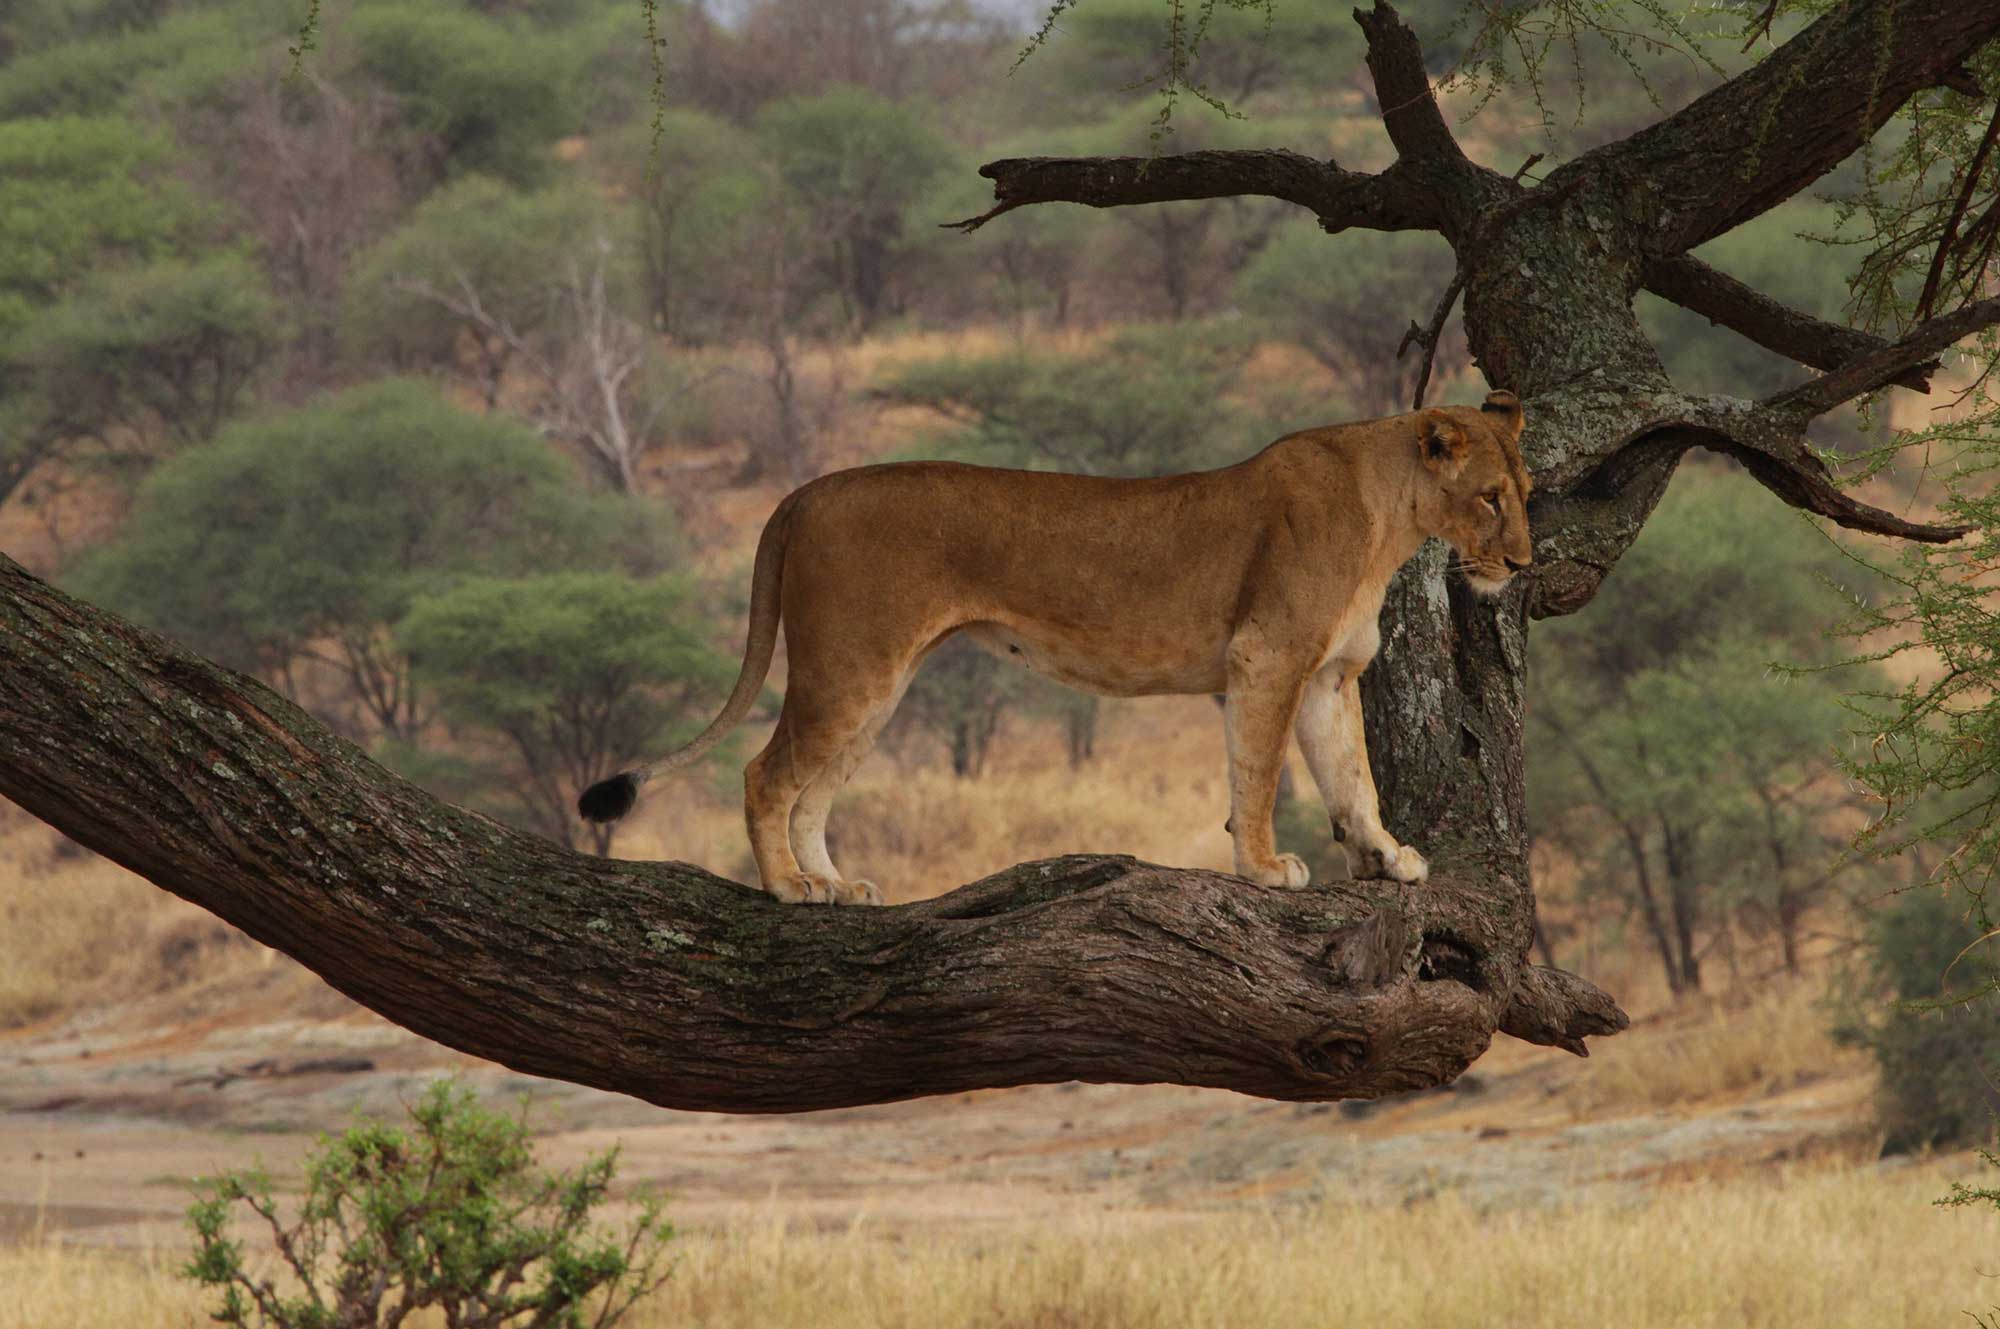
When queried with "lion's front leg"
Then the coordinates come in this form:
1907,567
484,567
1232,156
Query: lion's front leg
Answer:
1256,713
1330,734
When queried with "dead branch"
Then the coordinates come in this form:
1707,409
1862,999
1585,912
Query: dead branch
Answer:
1427,337
1384,202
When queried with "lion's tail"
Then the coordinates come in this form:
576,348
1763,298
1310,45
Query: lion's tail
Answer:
608,800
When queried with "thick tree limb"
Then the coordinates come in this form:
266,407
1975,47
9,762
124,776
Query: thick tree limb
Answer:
662,981
1761,137
1881,367
1748,312
1386,202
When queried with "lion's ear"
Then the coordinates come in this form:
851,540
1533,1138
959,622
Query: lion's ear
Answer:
1441,442
1506,408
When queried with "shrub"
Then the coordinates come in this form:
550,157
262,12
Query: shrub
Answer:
450,1212
1938,1047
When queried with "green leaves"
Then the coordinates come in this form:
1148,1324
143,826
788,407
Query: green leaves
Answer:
1667,750
1347,303
570,676
314,531
171,346
1930,750
78,191
450,1212
485,97
476,238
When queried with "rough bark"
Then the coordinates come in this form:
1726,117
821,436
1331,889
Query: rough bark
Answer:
665,982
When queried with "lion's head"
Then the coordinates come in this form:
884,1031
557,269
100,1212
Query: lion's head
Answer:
1475,454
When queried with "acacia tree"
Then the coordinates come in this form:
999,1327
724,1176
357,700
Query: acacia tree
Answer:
661,981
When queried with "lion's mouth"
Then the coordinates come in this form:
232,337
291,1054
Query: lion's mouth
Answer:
1488,577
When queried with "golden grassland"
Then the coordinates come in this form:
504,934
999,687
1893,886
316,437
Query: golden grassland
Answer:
1764,1040
1828,1247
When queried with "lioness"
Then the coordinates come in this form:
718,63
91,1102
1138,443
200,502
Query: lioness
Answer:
1262,581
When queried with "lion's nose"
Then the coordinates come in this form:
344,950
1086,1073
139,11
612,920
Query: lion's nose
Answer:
1513,566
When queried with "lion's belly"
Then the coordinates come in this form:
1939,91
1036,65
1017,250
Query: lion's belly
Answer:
1151,665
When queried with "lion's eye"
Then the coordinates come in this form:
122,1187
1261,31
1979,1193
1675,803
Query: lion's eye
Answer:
1492,502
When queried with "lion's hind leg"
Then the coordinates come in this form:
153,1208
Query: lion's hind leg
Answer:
828,724
809,816
770,791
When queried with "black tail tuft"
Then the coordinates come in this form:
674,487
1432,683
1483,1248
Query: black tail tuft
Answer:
608,800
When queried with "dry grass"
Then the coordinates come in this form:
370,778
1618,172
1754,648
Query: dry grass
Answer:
1156,790
1770,1040
1845,1247
75,928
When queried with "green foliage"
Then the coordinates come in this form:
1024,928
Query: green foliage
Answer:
1223,53
698,189
857,161
486,97
576,675
77,192
1015,270
95,75
1931,758
1938,1046
312,532
475,238
1664,751
82,199
1339,296
173,345
1148,401
450,1212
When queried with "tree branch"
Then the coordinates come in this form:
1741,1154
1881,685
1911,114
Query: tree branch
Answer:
1411,195
1761,137
1748,312
1885,365
1590,505
662,981
1385,202
1403,87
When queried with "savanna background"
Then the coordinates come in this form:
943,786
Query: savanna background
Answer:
442,376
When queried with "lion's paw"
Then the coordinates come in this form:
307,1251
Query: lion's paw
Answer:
804,888
1410,866
856,892
1284,870
1393,862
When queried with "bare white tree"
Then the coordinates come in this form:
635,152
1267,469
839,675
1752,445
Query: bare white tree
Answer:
588,360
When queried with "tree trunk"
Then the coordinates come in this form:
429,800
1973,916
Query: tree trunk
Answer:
1683,898
662,981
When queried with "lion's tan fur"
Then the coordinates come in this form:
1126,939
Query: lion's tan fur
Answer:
1261,581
